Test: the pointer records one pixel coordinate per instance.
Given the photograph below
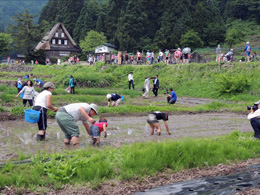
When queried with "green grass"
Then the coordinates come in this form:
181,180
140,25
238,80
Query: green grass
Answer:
130,161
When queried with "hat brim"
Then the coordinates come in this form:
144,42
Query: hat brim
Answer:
94,110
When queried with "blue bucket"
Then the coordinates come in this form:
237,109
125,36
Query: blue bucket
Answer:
31,116
122,98
21,95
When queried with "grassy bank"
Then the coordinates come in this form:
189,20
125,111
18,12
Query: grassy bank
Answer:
130,161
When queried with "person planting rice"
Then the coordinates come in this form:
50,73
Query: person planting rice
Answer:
67,118
153,120
115,98
42,104
96,129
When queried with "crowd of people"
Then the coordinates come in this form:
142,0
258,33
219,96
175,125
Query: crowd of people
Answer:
230,56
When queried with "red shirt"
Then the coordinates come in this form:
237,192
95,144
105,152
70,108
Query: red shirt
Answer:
100,126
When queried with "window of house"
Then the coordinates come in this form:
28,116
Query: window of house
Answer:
65,42
56,34
62,34
53,41
59,42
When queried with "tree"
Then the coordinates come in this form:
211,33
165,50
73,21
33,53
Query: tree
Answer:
25,33
92,40
191,39
5,42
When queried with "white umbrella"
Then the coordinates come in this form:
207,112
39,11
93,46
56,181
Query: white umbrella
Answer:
186,50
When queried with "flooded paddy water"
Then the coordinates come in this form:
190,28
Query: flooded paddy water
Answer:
18,136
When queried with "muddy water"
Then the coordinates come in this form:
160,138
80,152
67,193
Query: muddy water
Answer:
18,135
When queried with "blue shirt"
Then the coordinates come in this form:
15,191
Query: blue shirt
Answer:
248,48
71,82
39,81
174,96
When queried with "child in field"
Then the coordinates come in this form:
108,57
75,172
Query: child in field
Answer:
96,129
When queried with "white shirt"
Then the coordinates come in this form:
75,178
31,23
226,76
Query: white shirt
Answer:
155,80
161,54
254,114
130,77
147,83
41,99
73,110
28,92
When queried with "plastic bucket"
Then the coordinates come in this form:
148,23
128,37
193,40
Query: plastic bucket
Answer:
31,116
21,95
122,98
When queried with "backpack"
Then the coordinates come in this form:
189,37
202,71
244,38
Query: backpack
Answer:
74,82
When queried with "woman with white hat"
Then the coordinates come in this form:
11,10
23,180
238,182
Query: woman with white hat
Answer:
42,104
67,118
115,98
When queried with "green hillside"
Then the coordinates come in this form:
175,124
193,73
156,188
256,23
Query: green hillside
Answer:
10,8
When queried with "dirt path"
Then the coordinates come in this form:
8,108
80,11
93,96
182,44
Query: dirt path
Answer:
18,135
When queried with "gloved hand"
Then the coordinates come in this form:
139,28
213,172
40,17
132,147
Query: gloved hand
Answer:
105,135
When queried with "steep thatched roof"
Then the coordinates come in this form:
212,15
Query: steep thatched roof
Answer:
45,42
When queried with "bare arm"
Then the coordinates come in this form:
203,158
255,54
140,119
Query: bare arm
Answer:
49,105
85,114
108,103
105,131
20,92
86,127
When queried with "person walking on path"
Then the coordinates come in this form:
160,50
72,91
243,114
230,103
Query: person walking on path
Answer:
218,53
29,93
42,104
72,85
147,85
153,120
155,85
248,51
131,80
115,98
172,97
68,116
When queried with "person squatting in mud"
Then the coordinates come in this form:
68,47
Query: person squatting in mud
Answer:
96,129
153,120
42,104
67,118
254,117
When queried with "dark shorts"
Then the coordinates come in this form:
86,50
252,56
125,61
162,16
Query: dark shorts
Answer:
94,131
248,53
152,119
42,123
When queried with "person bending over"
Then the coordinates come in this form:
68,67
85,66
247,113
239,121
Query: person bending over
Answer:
67,118
254,117
115,98
153,121
172,97
96,129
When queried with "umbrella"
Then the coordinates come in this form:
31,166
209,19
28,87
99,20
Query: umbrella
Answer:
186,50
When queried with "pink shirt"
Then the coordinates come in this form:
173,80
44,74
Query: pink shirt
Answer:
100,125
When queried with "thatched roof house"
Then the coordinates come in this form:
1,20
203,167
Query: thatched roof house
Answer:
58,43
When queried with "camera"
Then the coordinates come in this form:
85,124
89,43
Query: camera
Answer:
254,107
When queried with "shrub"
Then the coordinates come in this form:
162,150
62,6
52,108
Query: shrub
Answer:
232,84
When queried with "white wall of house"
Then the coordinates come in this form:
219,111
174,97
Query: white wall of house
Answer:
103,49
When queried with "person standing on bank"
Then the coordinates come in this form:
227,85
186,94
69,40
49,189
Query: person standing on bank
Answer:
29,92
131,80
146,87
218,53
72,85
42,104
172,97
155,85
115,98
67,118
153,121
